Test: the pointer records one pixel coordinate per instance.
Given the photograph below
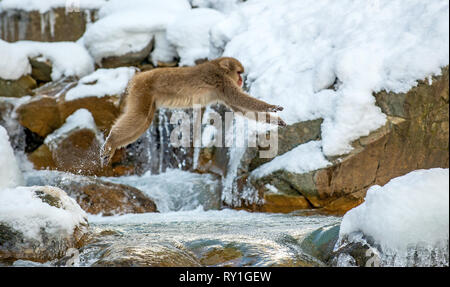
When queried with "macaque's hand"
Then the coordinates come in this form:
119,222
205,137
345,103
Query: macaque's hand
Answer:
281,123
274,109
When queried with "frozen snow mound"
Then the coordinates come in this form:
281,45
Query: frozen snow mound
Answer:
129,26
324,59
10,175
68,59
189,34
409,212
103,82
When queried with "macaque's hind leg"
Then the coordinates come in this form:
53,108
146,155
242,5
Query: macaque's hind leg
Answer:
128,128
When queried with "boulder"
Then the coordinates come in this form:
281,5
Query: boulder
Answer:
41,69
55,25
17,88
94,195
320,243
128,59
40,115
39,223
155,255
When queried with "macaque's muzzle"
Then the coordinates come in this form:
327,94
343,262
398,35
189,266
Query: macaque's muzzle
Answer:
240,81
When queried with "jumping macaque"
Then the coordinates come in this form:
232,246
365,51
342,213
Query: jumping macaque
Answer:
216,81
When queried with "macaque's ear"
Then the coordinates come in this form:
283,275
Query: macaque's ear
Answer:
226,64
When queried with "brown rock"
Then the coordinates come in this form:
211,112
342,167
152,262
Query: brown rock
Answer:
41,69
96,196
17,88
129,59
18,25
156,255
104,109
40,115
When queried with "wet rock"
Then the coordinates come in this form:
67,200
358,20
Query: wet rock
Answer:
53,26
40,115
43,236
41,69
156,255
128,59
17,88
320,243
225,256
105,109
94,195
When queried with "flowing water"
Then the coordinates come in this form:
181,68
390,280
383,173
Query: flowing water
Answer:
191,222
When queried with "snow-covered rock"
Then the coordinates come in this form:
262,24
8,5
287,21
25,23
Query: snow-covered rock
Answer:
408,214
127,27
67,58
101,83
39,223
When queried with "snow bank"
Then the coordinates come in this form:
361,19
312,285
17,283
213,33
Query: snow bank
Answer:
129,26
45,5
304,158
22,209
189,34
10,175
409,210
101,83
294,51
80,119
68,58
225,6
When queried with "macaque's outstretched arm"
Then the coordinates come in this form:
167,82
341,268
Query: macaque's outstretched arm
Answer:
235,97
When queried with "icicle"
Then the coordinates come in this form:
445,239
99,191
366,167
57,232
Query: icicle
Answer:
52,23
43,23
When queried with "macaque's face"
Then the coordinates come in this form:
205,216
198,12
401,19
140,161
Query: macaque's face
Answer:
236,73
233,69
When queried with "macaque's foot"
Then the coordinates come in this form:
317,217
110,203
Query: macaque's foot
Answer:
274,109
106,154
281,123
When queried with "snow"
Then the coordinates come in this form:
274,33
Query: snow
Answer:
189,34
67,58
293,51
303,158
22,209
129,26
80,119
10,175
225,6
101,83
409,210
45,5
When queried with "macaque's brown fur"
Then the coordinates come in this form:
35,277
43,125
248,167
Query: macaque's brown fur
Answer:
182,87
